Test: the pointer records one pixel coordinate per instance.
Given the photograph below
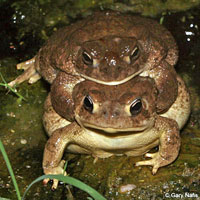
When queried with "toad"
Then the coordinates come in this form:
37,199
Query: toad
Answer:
109,48
113,120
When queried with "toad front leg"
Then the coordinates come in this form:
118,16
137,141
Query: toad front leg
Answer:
54,149
166,82
29,74
169,145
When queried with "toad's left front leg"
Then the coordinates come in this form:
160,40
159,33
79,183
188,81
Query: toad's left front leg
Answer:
169,144
165,77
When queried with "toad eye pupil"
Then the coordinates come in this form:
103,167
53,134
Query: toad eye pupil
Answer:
135,53
88,103
86,58
136,107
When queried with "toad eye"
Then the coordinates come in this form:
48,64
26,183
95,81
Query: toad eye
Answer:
87,58
134,54
136,107
88,104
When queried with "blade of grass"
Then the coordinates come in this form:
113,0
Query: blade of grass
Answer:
10,170
13,90
65,167
72,181
2,78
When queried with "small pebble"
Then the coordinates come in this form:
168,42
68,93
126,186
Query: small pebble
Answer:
12,130
127,188
23,141
11,114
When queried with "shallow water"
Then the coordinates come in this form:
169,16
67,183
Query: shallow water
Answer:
24,137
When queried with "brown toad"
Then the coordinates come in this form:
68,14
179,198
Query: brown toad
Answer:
109,48
113,120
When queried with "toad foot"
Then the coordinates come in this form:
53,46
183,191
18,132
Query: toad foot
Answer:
29,74
54,171
156,161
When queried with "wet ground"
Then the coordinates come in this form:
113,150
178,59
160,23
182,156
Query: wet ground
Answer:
24,138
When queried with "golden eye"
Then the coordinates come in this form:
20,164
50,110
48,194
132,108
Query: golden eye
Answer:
87,58
88,104
135,53
136,107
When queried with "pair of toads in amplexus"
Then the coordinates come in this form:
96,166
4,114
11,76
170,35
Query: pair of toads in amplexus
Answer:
114,90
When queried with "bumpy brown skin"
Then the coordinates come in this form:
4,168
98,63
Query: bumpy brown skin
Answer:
109,48
107,36
110,128
110,38
112,103
167,85
65,103
62,95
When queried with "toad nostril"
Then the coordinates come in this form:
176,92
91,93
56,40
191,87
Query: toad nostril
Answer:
105,69
119,68
112,114
105,113
115,113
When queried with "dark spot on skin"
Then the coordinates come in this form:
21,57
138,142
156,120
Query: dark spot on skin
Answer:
104,113
118,69
88,71
146,113
47,164
50,109
105,70
137,121
167,157
50,146
76,132
45,123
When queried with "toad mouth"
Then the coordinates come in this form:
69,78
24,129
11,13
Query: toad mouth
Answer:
125,131
115,131
112,82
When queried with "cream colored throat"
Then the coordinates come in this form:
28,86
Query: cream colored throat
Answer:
111,82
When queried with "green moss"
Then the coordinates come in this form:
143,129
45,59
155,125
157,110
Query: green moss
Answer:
41,17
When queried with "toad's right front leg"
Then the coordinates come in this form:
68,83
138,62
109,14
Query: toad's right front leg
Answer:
54,149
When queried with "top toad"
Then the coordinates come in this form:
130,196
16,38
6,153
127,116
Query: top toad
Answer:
109,48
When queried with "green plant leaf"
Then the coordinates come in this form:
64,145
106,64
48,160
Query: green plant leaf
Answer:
10,170
5,84
72,181
2,78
